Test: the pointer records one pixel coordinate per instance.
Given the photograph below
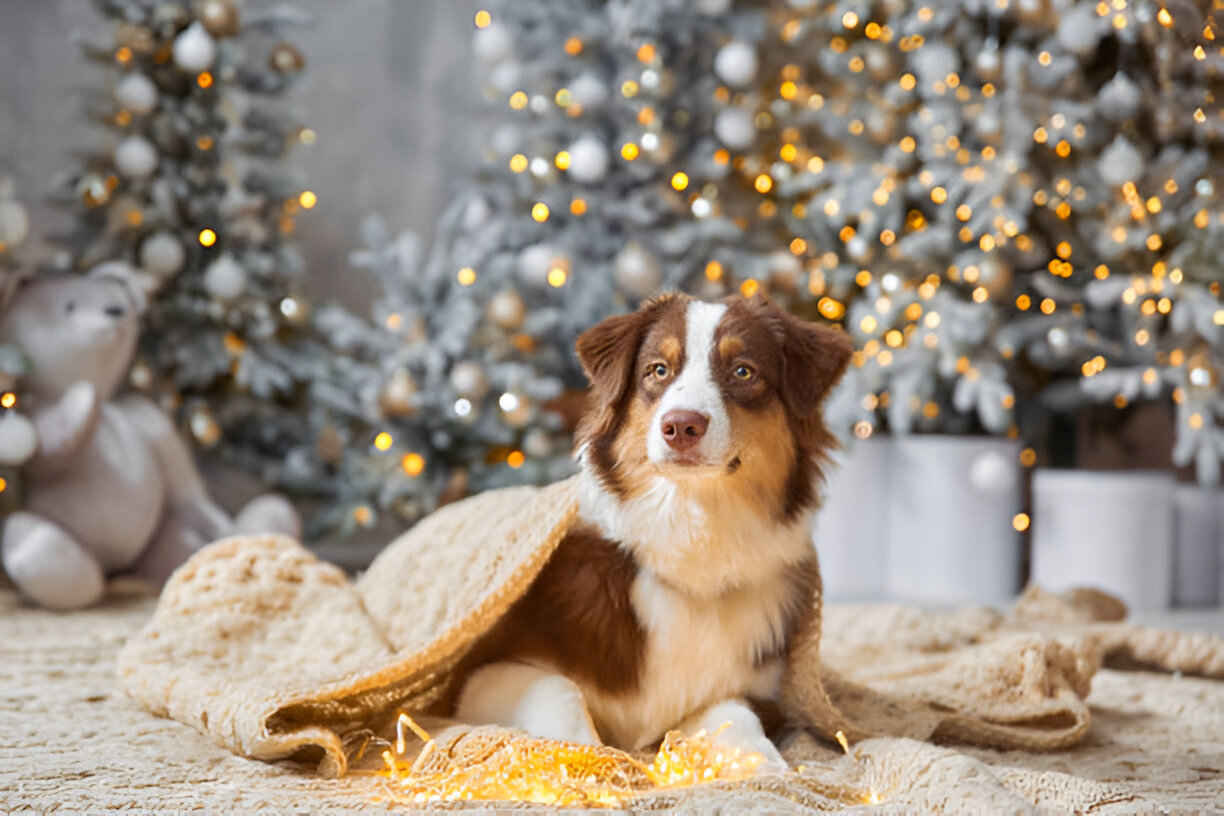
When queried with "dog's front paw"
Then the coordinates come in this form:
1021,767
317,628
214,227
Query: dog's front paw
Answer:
772,761
732,725
516,695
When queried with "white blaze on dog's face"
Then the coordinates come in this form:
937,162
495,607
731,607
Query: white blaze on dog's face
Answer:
702,447
690,424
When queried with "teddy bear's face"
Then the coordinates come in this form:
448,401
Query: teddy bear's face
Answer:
73,328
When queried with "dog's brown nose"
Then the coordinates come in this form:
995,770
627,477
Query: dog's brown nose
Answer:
684,429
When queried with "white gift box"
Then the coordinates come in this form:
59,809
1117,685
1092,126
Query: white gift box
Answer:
852,523
952,503
1196,545
1110,530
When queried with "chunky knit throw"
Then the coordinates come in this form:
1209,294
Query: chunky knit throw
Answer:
273,653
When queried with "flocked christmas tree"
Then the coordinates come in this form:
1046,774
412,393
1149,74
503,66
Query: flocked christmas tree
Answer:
17,435
901,168
1127,142
190,187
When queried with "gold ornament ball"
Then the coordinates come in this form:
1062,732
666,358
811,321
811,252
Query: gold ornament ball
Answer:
204,428
141,376
398,395
295,309
330,445
456,487
220,17
93,190
469,380
507,310
1202,374
516,408
286,59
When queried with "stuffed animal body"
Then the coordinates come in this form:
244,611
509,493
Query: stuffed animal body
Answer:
110,487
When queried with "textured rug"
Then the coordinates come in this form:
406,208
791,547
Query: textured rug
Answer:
73,742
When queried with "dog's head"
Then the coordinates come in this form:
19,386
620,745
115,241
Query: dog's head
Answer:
729,391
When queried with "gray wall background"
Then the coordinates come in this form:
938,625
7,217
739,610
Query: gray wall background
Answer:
388,87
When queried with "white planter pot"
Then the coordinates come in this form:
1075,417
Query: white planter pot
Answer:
952,503
1110,530
852,524
1196,545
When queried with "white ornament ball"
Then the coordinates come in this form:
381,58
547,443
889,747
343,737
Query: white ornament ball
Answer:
162,253
992,472
14,223
784,270
475,213
637,270
18,439
537,444
225,278
1119,98
506,140
934,62
136,157
492,44
194,49
989,63
507,310
506,77
1120,162
880,62
988,125
734,128
535,261
137,93
469,380
588,160
589,91
1080,30
736,63
858,248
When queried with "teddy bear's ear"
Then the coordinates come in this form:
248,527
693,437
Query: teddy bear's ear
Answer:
139,285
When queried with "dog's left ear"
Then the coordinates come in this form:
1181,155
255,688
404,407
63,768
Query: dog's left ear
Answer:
814,357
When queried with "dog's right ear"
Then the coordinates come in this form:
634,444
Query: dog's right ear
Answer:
608,350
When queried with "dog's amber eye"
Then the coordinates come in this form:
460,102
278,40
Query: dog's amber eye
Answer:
660,370
743,372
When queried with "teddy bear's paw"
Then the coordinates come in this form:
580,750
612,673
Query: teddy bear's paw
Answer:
62,428
48,565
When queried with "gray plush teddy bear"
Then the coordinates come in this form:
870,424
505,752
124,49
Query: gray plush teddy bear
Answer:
111,487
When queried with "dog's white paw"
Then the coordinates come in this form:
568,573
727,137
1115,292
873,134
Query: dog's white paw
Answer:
774,762
733,725
539,702
747,744
553,708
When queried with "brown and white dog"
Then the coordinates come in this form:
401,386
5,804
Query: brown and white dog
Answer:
671,604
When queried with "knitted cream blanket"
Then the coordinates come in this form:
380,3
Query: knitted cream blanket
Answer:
273,653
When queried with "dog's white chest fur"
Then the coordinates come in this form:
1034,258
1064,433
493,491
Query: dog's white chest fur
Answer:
697,651
712,596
